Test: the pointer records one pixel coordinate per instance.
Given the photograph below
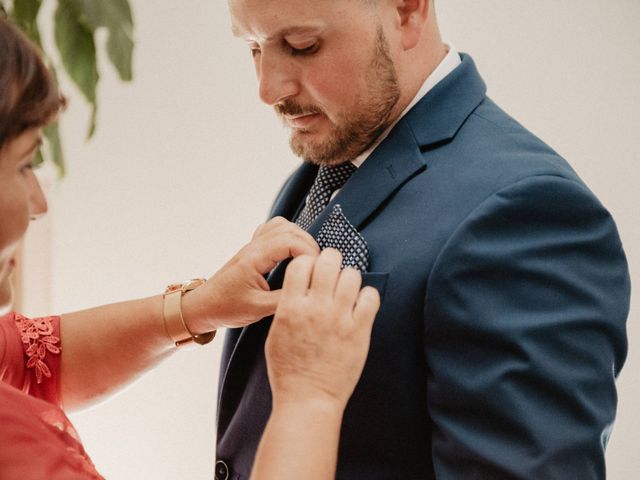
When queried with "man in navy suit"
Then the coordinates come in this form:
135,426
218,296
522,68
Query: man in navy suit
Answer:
505,289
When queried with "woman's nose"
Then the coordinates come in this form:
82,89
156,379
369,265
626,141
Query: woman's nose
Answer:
37,201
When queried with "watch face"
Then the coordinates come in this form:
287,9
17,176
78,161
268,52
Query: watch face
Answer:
174,287
192,284
185,286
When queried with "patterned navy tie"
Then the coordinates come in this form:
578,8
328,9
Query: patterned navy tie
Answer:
328,180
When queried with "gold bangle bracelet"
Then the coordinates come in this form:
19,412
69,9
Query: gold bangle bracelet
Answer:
174,322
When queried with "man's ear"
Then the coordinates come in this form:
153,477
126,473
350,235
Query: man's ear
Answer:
412,16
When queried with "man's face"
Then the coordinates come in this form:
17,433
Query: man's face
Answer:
326,68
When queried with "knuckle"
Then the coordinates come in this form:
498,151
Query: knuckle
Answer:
332,253
299,264
330,256
351,273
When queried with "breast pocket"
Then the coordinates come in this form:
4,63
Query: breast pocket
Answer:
376,280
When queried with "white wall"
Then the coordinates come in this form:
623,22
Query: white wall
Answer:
186,162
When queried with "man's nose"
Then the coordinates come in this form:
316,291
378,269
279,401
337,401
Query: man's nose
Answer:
37,201
277,78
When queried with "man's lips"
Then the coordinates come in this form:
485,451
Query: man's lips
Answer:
302,121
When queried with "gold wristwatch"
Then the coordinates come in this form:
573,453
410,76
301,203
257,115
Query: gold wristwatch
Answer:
172,312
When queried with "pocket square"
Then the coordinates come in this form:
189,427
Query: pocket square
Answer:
337,232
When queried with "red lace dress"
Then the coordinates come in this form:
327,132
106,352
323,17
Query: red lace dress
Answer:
37,440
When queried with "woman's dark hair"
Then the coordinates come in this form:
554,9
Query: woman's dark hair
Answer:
29,96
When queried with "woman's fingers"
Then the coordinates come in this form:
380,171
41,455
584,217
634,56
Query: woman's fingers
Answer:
322,278
326,272
278,240
298,277
367,305
347,289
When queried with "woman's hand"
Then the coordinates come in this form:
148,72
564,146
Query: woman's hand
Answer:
238,294
315,351
320,336
132,335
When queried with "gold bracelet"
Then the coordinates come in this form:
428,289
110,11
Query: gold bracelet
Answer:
174,323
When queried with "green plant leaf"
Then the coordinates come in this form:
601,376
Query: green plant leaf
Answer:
74,38
120,50
93,119
25,13
38,159
54,150
115,16
52,136
76,22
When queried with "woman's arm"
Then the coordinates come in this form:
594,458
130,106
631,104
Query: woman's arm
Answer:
106,347
300,441
315,352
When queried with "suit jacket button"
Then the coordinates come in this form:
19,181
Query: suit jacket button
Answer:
222,470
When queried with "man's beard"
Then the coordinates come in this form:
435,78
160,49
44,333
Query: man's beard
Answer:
354,131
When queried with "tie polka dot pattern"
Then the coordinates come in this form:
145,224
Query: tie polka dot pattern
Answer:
328,180
337,232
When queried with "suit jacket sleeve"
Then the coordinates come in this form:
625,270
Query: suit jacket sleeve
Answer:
524,335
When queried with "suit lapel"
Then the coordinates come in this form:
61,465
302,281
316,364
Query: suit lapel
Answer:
436,119
294,191
432,122
395,161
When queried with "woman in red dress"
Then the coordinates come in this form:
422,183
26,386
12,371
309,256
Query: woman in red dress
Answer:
314,360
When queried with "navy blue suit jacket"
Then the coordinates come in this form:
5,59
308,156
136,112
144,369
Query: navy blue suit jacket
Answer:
505,296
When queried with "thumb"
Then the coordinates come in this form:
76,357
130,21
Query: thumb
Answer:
267,302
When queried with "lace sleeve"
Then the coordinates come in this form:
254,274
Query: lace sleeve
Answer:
38,339
30,355
37,440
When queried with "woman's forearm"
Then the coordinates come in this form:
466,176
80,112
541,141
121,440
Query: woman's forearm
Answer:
300,441
107,347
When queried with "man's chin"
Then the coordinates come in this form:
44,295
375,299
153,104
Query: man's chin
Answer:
316,154
323,159
320,160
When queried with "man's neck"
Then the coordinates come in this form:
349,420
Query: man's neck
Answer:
418,72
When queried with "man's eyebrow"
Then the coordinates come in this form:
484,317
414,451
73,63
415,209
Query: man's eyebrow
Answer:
285,32
296,31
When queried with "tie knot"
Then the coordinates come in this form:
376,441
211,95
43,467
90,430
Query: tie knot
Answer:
335,176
